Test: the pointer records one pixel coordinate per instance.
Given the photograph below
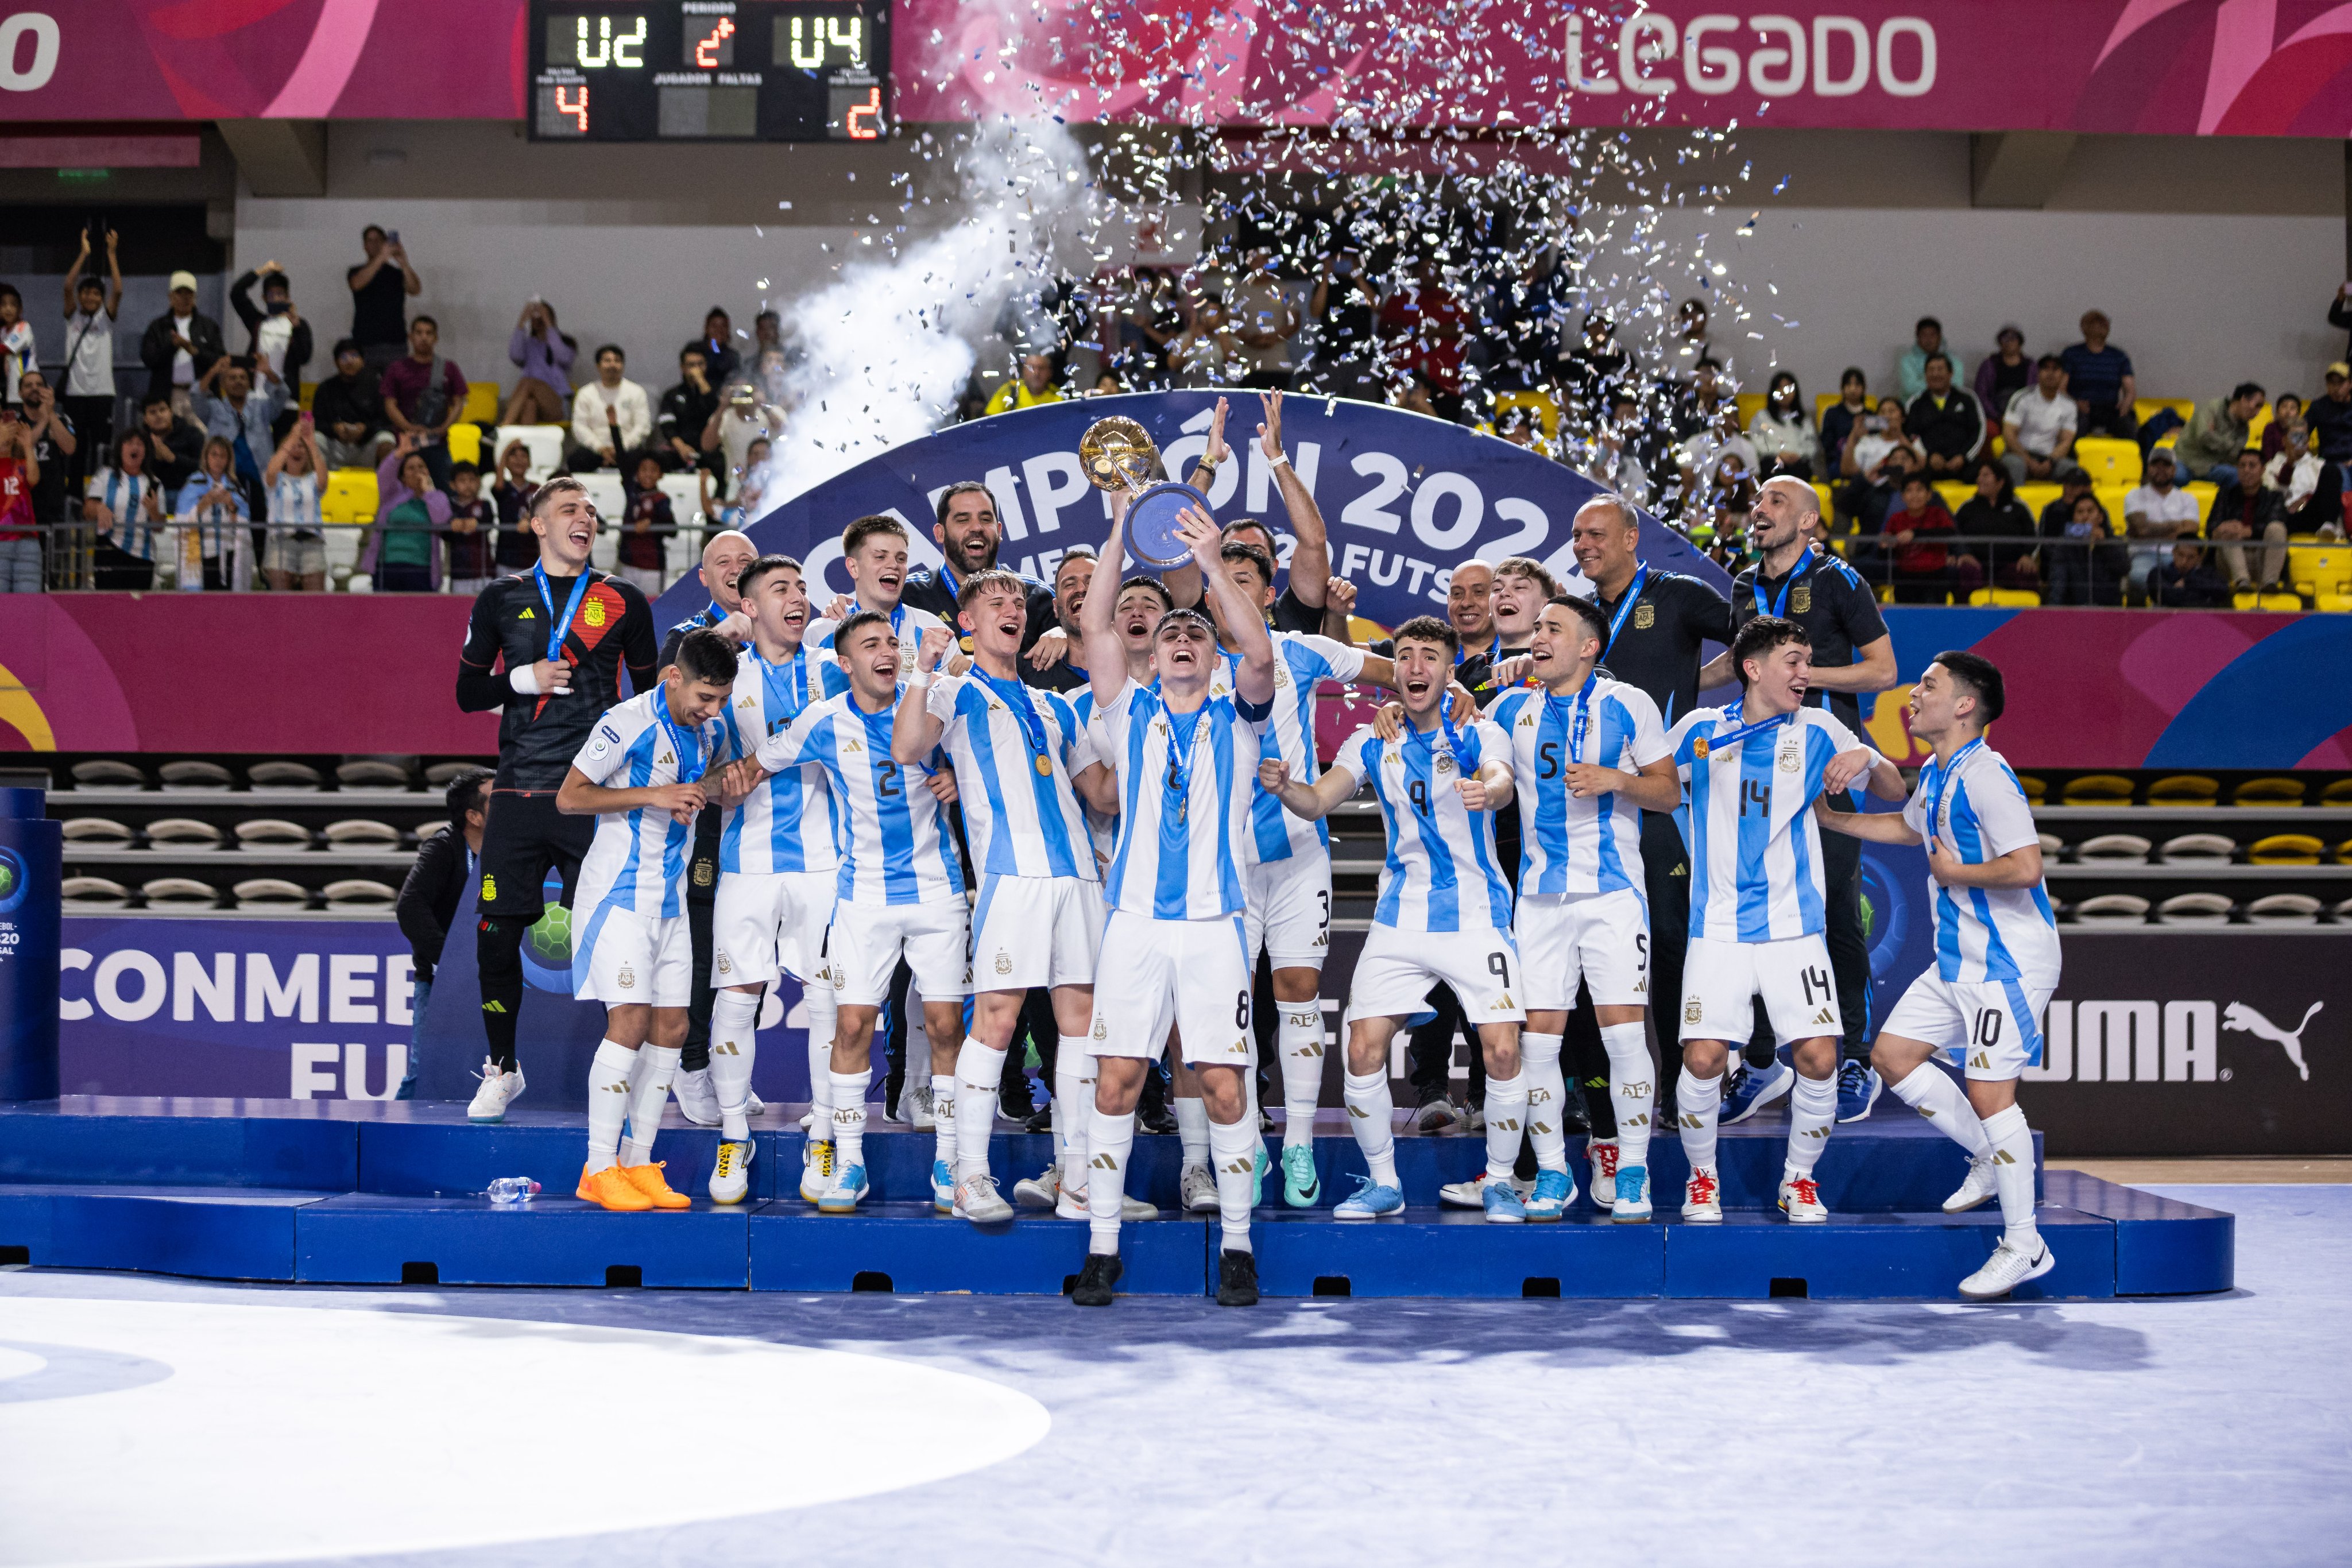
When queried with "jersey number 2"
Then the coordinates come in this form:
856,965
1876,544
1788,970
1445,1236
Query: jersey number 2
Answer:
885,779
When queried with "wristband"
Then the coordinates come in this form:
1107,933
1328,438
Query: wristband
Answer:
919,679
524,680
1279,460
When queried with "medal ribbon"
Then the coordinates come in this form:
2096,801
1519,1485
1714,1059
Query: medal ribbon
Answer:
1937,778
1015,696
1576,731
677,738
557,630
1779,606
1625,607
1733,737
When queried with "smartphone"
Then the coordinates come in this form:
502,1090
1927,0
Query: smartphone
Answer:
1874,423
279,307
393,236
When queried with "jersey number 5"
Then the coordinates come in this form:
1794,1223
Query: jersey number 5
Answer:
1548,759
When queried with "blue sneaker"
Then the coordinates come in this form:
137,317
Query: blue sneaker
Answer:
1371,1201
1757,1088
1633,1204
1300,1185
1258,1169
841,1197
1502,1205
942,1186
1554,1192
1859,1087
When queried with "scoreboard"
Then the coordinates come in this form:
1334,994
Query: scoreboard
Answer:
709,71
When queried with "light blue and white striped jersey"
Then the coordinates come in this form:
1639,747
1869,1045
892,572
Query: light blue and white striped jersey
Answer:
637,860
1756,851
1019,821
1569,845
1181,854
294,498
1980,813
1101,830
1300,660
125,495
1441,874
907,622
894,846
791,822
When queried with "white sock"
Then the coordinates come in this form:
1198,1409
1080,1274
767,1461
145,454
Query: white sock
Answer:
1371,1117
2013,1176
847,1118
1697,1100
979,1069
1109,1138
1300,1036
1074,1107
1506,1121
1546,1094
1813,1111
822,1010
1631,1081
608,1102
943,1119
1236,1146
655,1068
1193,1131
733,1017
1930,1090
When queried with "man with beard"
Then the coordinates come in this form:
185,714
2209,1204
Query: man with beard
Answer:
969,534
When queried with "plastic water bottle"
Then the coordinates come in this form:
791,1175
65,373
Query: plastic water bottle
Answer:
512,1190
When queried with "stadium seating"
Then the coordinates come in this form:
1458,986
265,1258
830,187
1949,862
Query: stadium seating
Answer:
481,402
2109,461
545,442
1546,411
2322,574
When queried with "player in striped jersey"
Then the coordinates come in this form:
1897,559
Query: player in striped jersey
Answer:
1172,948
1754,772
1021,757
1996,956
874,553
640,775
777,868
899,891
1443,914
1586,752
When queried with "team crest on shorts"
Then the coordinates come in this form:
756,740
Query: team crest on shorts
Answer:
1691,1011
724,966
628,978
490,888
1003,964
1646,615
1100,1031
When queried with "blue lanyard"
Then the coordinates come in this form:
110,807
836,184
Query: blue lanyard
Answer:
1025,708
1745,730
1938,777
898,614
557,629
1180,765
1780,605
714,615
946,580
1494,654
1583,713
678,738
1625,607
793,695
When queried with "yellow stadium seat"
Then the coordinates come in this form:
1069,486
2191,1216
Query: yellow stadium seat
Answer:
481,402
1751,403
2109,461
2111,496
2037,494
2008,598
1822,403
2147,408
1828,507
466,443
2272,791
2320,571
1953,494
2204,490
2284,603
1546,411
309,391
350,497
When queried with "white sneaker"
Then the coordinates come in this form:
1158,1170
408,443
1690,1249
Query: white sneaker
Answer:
917,1102
1474,1120
697,1101
1602,1154
730,1179
1070,1203
2006,1269
1196,1190
753,1105
817,1169
1801,1199
1976,1190
1703,1196
977,1199
1042,1190
498,1091
1132,1209
808,1118
1471,1194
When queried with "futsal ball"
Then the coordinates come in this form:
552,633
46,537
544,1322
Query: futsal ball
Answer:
550,939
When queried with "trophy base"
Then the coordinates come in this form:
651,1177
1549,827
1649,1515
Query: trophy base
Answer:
1151,533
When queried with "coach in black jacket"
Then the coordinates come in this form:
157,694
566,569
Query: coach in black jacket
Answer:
441,877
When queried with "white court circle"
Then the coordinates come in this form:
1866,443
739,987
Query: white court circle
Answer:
286,1433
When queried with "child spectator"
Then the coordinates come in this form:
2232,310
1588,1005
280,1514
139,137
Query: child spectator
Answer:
2079,563
1923,567
645,527
124,507
296,555
212,503
510,493
473,531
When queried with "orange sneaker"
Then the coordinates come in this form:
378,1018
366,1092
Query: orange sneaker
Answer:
608,1188
648,1181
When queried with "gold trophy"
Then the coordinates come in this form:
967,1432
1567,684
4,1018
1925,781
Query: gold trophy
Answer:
1118,453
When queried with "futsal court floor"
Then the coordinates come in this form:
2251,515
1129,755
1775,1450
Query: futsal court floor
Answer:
145,1420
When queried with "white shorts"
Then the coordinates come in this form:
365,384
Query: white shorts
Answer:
1397,968
1996,1023
1600,938
1721,981
764,925
1032,931
1192,974
868,938
627,958
1289,916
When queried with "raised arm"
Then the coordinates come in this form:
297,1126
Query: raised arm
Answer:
1310,560
916,730
1253,681
1098,614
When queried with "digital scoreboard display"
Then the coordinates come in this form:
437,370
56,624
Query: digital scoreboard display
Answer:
710,70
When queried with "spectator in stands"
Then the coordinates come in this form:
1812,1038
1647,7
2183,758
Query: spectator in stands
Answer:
124,506
2286,413
1949,425
1519,425
276,336
1690,343
1206,353
647,525
1414,395
20,539
1613,466
1911,370
2007,373
510,493
544,353
2209,445
1783,432
473,532
2339,311
411,516
180,345
2079,566
751,483
1266,321
1423,325
2157,511
90,307
1148,320
736,428
1719,468
1994,512
423,395
2310,490
2187,581
2038,424
438,883
1032,385
2099,379
1699,406
176,447
381,288
226,404
214,503
1527,315
685,409
1923,567
718,345
295,557
2330,415
2246,510
1593,373
348,410
612,417
1876,461
17,347
55,448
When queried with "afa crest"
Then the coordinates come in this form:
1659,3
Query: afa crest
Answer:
1646,615
592,612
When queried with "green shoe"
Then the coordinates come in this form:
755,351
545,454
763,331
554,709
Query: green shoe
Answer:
1300,1185
1257,1176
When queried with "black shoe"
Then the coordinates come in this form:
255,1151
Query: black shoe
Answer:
1236,1279
1157,1119
1013,1102
1040,1120
1100,1272
894,1085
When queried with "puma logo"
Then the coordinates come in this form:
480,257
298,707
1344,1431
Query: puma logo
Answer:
2240,1017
